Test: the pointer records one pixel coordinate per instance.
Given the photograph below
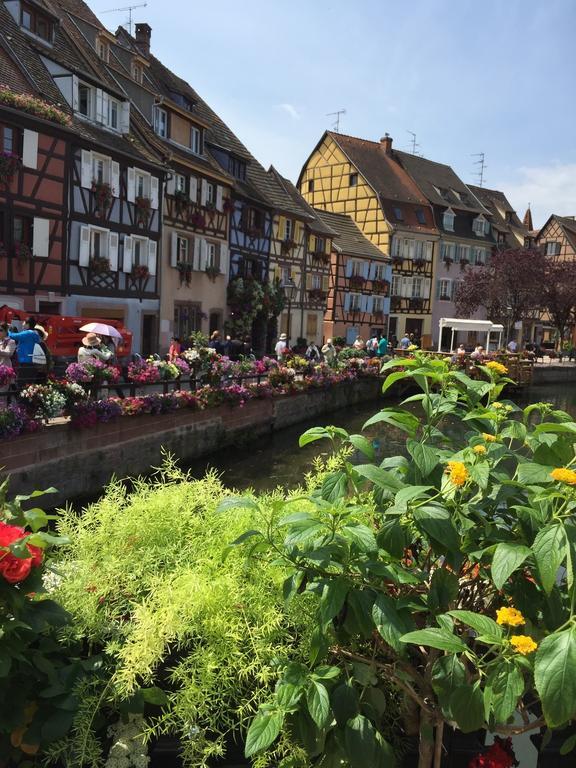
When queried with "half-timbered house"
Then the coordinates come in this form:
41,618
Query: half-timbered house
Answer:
363,179
358,302
508,230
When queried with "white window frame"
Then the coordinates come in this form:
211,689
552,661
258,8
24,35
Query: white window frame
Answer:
396,288
195,140
417,288
395,247
444,295
160,125
377,304
211,254
379,271
104,235
479,226
103,48
210,193
91,100
448,219
179,182
553,248
182,249
137,72
355,302
143,243
114,111
106,167
146,178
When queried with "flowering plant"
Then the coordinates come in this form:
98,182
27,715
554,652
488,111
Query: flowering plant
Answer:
7,375
89,413
103,196
92,371
449,574
42,400
182,365
10,164
166,371
14,421
498,755
32,105
281,375
235,394
245,299
143,372
143,208
140,271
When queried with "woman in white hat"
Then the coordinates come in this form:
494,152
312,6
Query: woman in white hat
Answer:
92,349
281,347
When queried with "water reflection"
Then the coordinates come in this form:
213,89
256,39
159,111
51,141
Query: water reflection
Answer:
276,460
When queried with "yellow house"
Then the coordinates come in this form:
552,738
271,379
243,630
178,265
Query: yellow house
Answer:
364,180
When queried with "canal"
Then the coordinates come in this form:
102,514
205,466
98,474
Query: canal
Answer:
276,460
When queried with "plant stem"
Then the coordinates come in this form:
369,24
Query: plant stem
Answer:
439,738
426,747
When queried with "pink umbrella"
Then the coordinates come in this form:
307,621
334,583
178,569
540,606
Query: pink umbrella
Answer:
102,329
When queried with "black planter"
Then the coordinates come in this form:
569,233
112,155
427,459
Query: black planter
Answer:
549,756
459,749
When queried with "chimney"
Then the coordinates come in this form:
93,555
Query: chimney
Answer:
143,35
386,144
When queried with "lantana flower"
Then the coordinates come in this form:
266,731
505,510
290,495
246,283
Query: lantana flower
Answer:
489,438
563,475
496,367
457,472
523,644
510,616
479,449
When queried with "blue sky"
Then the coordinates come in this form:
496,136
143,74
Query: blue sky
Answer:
495,76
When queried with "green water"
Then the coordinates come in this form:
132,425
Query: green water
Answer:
276,460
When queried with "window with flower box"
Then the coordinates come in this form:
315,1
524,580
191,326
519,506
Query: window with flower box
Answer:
8,139
377,305
378,272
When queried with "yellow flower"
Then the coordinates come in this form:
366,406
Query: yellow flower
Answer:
479,449
497,406
563,475
458,472
489,438
496,367
510,616
523,644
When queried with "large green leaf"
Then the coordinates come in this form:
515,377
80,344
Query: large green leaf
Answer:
555,676
363,445
393,537
318,703
365,747
549,549
333,598
334,486
345,703
425,458
448,673
361,536
263,731
507,687
380,477
435,638
467,707
507,558
443,589
483,625
391,623
311,435
534,474
436,523
392,378
403,420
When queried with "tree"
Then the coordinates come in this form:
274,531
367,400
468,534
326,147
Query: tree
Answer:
559,294
509,287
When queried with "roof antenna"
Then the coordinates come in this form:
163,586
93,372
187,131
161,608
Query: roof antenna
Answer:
480,173
414,143
128,8
336,115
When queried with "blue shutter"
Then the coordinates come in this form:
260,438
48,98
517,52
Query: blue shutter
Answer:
365,270
347,299
349,268
369,304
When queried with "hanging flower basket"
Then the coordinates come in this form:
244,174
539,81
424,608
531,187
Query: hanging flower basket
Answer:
357,281
213,272
100,264
102,192
143,208
23,254
10,164
397,261
140,271
380,286
185,270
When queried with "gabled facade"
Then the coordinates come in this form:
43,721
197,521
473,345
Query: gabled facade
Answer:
362,179
508,230
358,303
557,238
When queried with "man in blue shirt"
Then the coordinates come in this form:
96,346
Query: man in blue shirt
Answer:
405,341
26,340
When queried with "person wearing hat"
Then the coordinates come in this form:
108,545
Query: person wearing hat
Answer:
41,356
281,347
26,340
92,349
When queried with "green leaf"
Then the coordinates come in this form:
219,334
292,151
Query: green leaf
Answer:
363,445
154,695
333,598
326,672
480,474
569,427
391,623
316,433
361,536
236,502
448,674
288,696
393,538
365,748
507,687
403,420
435,638
318,703
411,492
568,745
425,458
436,522
245,536
345,704
483,625
534,474
295,674
443,590
514,429
334,486
392,378
507,558
380,477
263,731
555,676
36,518
549,549
56,726
467,707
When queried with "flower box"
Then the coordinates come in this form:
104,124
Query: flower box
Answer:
100,264
287,245
419,263
102,192
316,295
356,281
397,261
380,286
181,201
23,254
140,271
448,261
198,220
416,303
33,106
143,208
185,270
321,257
213,272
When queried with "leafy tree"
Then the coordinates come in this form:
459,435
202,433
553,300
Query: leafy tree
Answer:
559,294
450,574
509,287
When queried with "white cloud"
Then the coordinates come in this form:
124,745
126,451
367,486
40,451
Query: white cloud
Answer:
290,109
549,189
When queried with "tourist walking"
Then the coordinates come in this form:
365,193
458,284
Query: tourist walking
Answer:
281,347
7,345
372,345
312,353
175,349
216,342
41,356
329,352
92,349
26,340
512,347
382,347
405,341
359,343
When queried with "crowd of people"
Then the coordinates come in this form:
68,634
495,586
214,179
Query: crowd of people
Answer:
378,345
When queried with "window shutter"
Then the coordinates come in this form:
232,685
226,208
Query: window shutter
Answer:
369,304
328,246
113,251
372,272
438,288
325,283
173,249
131,190
347,300
281,227
30,149
312,243
203,254
84,253
349,268
429,250
203,192
125,117
407,284
75,93
86,169
442,250
115,178
426,292
152,256
105,108
308,281
127,260
219,195
154,192
224,259
196,253
171,185
41,238
298,233
194,189
365,270
99,106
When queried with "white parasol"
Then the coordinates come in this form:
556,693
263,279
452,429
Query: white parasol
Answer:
102,329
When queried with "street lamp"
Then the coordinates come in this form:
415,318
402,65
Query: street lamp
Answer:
290,290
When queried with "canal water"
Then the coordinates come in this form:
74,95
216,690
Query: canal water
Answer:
276,460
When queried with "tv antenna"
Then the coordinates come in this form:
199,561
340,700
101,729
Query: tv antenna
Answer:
128,8
413,143
336,116
480,172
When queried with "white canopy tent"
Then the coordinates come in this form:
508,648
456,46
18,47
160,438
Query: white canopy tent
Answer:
480,326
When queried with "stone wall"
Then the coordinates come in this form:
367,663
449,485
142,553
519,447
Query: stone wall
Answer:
564,373
80,462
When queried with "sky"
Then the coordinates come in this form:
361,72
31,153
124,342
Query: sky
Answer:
466,77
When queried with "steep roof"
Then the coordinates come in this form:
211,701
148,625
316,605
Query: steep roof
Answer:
351,241
568,225
502,215
313,221
527,220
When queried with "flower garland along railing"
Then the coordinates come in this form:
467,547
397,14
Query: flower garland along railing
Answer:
33,106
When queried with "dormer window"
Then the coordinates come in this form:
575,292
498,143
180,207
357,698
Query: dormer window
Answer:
137,72
98,106
480,226
448,220
103,50
161,122
36,23
421,216
196,140
457,195
398,214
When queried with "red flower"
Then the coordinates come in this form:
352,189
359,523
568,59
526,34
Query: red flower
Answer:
15,569
499,755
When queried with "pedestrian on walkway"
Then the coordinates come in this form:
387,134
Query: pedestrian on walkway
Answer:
383,347
26,340
329,352
281,347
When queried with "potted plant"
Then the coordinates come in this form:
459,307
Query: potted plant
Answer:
102,192
10,164
212,272
185,270
100,264
356,281
380,286
143,208
140,271
419,263
23,254
181,201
